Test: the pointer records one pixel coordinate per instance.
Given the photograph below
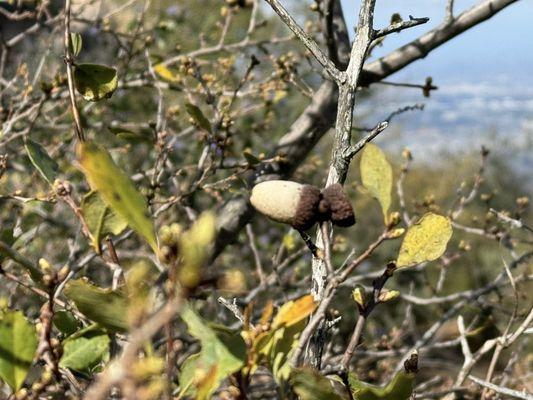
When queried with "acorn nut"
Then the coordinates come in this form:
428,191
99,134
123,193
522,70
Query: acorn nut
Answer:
300,205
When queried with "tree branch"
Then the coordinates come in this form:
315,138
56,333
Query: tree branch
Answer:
400,26
311,45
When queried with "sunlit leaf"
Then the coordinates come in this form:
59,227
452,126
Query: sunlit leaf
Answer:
116,189
223,353
198,117
165,73
310,385
277,344
293,312
376,174
40,159
399,388
195,245
76,42
100,218
18,342
388,295
83,353
103,306
95,82
425,241
359,295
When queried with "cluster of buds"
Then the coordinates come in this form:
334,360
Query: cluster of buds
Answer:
187,66
286,66
301,206
169,236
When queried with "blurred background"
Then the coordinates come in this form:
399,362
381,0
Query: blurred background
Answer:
485,83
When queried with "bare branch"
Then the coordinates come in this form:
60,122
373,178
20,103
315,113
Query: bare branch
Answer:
311,45
400,26
70,71
502,390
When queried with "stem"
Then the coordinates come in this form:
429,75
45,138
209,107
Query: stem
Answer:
354,341
70,77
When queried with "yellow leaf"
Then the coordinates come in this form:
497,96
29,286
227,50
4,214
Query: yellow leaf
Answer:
425,241
195,246
294,311
116,189
376,174
358,295
165,73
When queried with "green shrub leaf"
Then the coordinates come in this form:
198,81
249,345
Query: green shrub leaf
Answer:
425,241
198,117
18,342
106,307
376,175
66,322
310,385
40,159
75,43
399,388
101,219
116,189
85,352
95,82
222,354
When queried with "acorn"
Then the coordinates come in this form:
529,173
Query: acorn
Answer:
301,205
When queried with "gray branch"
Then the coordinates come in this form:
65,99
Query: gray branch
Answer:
311,45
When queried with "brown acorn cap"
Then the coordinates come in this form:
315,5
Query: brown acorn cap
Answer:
340,208
307,210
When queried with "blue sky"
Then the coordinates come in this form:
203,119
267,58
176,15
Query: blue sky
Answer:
485,80
502,45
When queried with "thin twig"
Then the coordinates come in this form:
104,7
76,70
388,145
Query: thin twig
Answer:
311,45
502,390
70,75
400,26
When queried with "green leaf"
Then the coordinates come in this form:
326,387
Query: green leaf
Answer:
75,43
198,117
425,241
18,342
40,159
223,353
141,136
116,189
106,307
195,245
85,352
66,322
310,385
376,174
399,388
95,82
278,344
101,219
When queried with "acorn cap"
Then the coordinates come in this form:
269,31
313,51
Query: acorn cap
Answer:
340,209
287,202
